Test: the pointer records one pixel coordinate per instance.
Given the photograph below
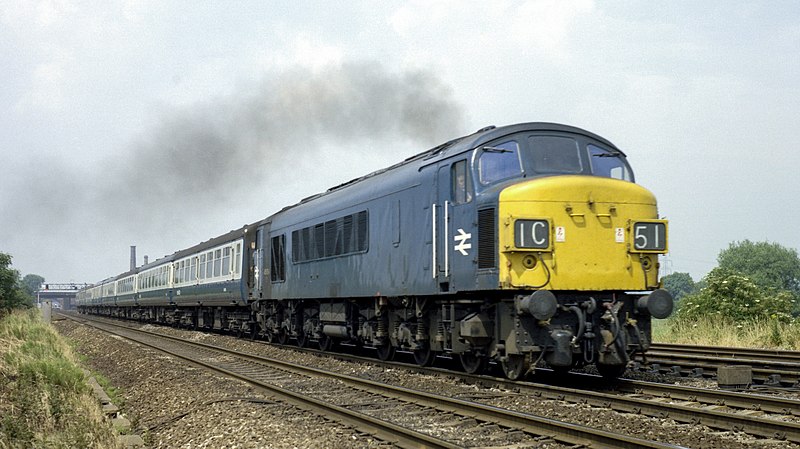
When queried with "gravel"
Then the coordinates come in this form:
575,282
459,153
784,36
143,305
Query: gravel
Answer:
175,405
173,402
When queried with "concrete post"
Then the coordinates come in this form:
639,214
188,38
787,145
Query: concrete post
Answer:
47,311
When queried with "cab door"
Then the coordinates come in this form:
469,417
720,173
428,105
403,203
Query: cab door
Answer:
455,232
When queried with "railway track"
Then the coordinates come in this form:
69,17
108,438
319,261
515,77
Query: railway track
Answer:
762,416
770,367
401,416
773,355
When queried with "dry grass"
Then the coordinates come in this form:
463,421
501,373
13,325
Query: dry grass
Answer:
716,332
44,398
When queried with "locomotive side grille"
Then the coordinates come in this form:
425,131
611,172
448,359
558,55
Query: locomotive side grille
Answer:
487,238
340,237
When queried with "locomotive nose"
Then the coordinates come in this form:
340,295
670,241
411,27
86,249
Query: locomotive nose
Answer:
579,233
659,304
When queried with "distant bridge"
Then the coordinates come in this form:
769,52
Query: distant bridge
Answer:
61,295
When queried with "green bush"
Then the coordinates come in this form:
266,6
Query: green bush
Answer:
734,297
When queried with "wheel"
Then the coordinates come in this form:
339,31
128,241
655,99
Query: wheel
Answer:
473,364
385,351
325,343
515,366
611,372
302,339
424,355
282,337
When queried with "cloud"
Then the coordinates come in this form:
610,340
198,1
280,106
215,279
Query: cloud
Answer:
540,26
35,13
420,14
46,89
315,55
546,24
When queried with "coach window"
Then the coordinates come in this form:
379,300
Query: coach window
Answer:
498,162
226,261
461,191
237,259
217,263
193,270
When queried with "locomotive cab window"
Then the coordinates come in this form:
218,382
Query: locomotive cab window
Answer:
610,164
461,190
555,154
499,162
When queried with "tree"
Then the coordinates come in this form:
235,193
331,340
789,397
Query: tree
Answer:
11,295
31,283
735,297
768,265
679,285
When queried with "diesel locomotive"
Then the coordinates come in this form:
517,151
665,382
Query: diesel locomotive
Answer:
525,245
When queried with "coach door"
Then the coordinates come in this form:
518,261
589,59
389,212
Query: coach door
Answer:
257,262
454,225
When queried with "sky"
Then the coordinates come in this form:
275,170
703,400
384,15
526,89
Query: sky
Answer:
163,123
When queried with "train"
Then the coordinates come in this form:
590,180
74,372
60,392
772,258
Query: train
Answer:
518,246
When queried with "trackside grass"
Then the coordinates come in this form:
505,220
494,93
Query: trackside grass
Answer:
712,330
44,398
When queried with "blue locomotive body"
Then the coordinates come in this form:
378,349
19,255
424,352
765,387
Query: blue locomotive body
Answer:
513,244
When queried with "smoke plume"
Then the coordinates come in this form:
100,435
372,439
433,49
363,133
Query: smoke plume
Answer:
199,163
216,149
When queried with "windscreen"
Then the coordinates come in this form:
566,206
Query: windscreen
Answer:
555,154
608,163
534,155
499,162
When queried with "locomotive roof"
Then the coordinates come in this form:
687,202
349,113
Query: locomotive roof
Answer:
467,143
491,132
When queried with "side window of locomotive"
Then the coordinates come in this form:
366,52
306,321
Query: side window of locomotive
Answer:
555,154
608,164
498,162
461,185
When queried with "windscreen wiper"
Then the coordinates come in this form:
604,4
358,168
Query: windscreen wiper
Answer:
608,154
495,150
